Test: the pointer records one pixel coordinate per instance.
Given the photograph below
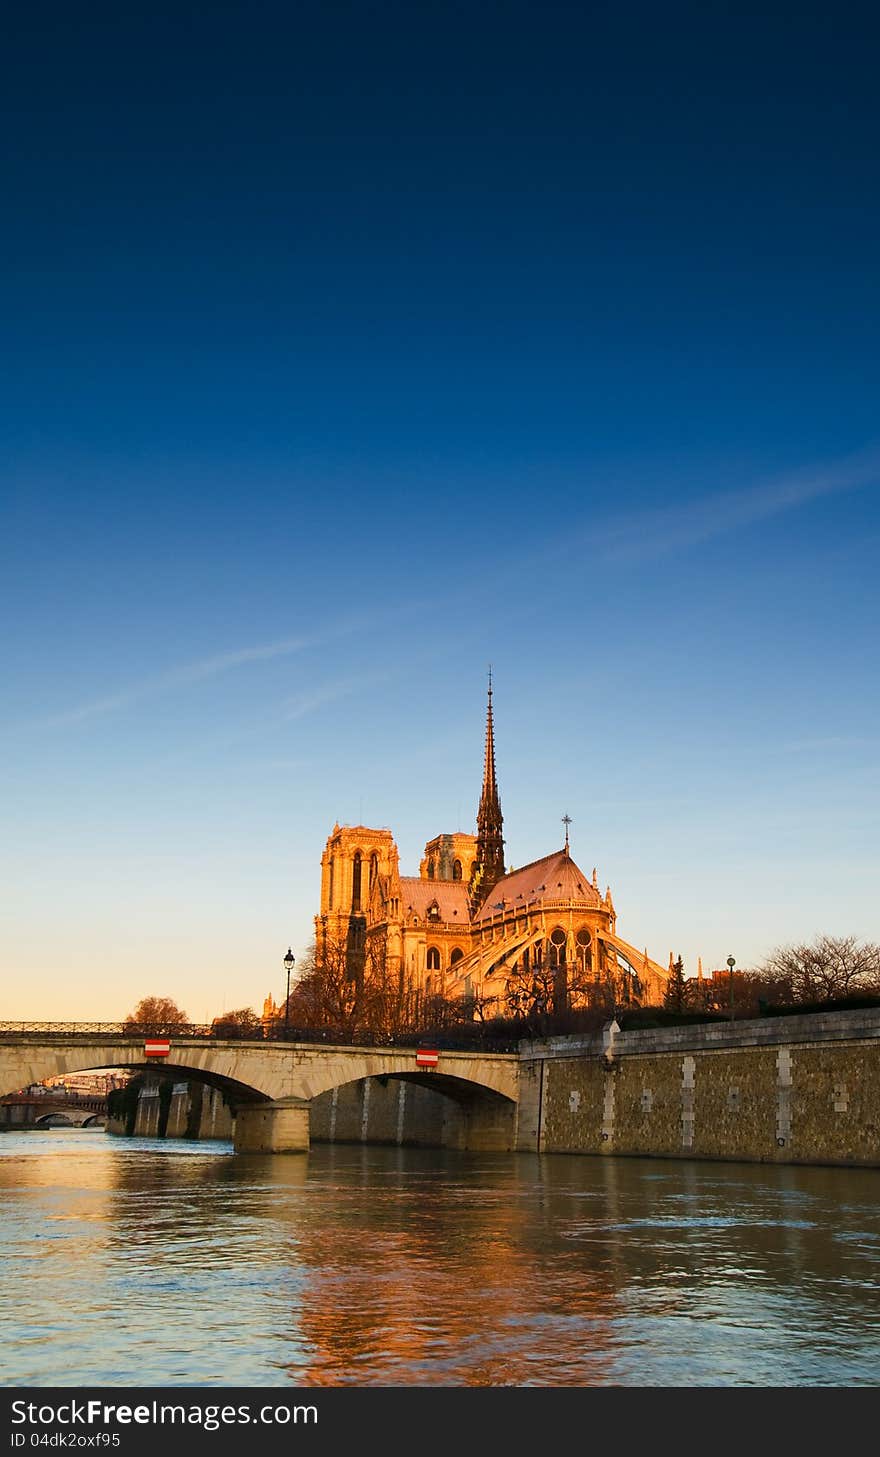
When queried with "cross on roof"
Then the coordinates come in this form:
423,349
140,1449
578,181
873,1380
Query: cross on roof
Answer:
566,820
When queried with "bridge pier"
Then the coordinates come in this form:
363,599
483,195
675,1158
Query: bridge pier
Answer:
486,1126
278,1127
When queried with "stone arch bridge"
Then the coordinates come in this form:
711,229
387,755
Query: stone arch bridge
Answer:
21,1110
271,1085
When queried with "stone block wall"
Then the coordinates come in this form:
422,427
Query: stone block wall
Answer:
786,1090
836,1106
370,1110
196,1111
573,1105
384,1110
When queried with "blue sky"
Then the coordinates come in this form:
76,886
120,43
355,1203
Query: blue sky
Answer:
349,349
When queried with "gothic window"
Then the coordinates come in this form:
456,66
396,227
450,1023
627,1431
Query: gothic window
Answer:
332,867
456,957
356,882
556,949
374,868
456,870
433,911
433,962
585,960
557,969
431,868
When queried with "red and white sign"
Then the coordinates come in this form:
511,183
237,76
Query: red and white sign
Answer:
424,1058
155,1048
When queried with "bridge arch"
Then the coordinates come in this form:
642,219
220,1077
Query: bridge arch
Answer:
483,1074
460,1089
412,1108
248,1071
28,1061
58,1118
284,1077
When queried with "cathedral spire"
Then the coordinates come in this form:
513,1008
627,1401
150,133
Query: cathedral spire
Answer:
490,841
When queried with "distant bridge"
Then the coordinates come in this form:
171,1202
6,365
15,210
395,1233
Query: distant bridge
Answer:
271,1084
64,1109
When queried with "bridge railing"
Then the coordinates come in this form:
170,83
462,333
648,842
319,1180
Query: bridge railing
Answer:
480,1040
103,1029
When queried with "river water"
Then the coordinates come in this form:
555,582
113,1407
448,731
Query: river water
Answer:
138,1262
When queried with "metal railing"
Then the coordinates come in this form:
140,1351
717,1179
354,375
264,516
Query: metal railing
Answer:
454,1040
105,1029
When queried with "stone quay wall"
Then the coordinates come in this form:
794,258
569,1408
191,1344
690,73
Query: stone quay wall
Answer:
794,1089
195,1111
369,1110
384,1110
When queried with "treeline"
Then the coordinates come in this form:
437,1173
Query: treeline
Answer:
832,971
352,993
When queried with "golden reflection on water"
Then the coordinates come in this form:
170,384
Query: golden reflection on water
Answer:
450,1287
136,1261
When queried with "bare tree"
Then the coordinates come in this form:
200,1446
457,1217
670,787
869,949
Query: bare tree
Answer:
475,1007
832,966
349,983
242,1023
537,991
388,1002
325,994
155,1014
528,993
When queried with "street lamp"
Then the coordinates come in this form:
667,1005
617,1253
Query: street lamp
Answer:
731,963
289,962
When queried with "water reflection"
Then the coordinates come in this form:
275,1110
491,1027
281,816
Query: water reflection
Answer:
132,1261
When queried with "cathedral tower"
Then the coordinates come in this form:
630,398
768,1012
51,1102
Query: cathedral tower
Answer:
490,840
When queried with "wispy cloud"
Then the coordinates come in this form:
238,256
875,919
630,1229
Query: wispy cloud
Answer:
180,677
831,742
302,704
654,532
183,676
640,535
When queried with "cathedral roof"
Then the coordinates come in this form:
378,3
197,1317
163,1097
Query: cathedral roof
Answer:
451,897
554,878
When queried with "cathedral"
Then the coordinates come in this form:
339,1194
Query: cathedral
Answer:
467,926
